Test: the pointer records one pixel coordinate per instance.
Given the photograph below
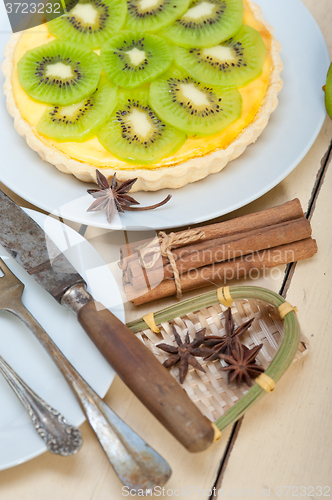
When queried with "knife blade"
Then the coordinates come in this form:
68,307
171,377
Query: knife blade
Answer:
30,247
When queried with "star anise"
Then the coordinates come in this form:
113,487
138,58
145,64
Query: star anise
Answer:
114,197
225,343
185,353
241,363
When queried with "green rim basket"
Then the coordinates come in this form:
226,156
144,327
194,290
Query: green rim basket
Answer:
221,402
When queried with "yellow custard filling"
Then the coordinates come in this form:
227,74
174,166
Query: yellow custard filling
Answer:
93,152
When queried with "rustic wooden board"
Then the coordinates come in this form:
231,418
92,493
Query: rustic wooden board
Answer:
285,439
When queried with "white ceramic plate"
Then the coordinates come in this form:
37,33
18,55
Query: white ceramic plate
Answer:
19,441
290,133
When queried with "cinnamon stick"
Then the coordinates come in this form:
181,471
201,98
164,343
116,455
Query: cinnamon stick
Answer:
268,217
249,265
219,250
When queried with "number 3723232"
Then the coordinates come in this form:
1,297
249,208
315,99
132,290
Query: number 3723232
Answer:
303,491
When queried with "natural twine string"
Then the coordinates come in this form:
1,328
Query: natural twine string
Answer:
162,246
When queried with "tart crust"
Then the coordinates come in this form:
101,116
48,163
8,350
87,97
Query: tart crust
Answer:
172,176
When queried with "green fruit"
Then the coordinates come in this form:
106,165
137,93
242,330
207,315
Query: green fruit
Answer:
193,107
152,15
328,92
206,23
236,61
135,134
131,59
90,22
70,4
81,121
59,72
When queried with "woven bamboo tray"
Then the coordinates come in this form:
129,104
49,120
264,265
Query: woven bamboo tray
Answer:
219,401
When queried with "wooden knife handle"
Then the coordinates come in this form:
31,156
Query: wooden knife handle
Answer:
146,377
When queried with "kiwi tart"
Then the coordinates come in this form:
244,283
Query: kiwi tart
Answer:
164,91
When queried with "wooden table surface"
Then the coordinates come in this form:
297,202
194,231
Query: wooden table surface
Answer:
283,441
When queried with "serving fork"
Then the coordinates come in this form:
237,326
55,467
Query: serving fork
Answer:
138,466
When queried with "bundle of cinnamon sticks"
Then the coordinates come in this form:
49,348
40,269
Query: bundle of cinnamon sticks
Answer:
220,252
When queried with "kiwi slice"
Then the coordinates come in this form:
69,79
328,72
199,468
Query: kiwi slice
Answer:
152,15
131,59
81,121
195,108
328,91
134,132
69,4
59,72
236,61
90,22
206,23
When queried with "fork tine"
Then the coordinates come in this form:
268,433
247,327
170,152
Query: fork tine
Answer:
3,266
9,278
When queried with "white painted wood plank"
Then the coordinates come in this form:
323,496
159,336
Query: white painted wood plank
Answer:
322,12
286,438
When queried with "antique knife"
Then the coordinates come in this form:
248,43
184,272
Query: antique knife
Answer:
28,244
